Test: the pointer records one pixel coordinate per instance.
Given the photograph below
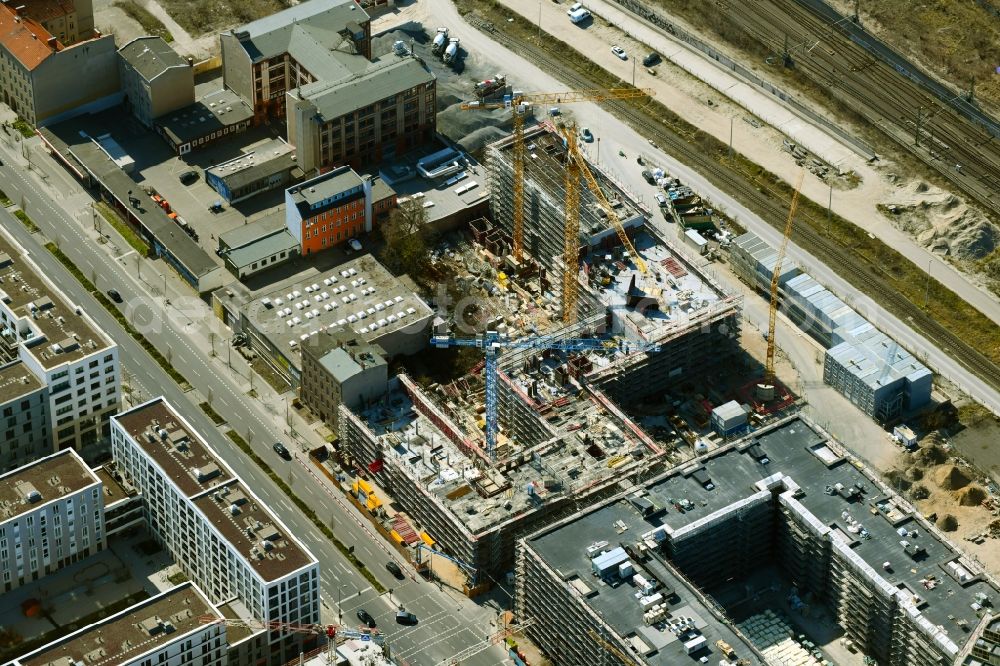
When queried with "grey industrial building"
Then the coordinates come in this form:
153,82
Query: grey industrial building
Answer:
257,246
360,295
155,79
259,169
312,65
866,366
216,116
785,514
340,370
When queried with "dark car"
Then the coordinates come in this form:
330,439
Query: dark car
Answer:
407,618
366,618
651,59
280,449
114,295
394,569
188,177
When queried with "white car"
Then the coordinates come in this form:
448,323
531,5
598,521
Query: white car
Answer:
620,52
354,244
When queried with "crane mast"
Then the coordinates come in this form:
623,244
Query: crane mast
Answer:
772,319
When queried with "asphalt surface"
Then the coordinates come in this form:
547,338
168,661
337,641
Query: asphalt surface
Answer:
449,623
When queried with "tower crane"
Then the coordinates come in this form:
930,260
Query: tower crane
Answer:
768,384
493,342
519,102
575,167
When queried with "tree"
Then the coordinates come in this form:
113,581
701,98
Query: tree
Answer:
405,239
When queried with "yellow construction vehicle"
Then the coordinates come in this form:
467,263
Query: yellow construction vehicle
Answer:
519,105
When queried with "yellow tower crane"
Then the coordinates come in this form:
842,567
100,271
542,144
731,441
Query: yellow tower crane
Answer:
575,167
519,104
767,388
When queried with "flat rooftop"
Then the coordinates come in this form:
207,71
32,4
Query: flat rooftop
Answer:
443,197
16,380
51,478
257,162
59,334
180,453
564,549
360,295
876,359
223,499
213,112
310,197
123,637
253,531
113,491
810,460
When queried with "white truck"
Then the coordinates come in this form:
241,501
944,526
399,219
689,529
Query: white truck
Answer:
579,15
451,53
440,41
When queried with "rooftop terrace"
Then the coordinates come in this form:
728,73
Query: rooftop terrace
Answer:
122,638
54,477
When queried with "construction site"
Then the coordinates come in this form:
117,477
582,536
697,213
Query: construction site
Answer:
544,424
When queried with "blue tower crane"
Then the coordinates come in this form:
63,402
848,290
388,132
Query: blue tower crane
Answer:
493,342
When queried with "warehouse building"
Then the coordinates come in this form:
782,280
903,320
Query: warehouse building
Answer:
155,79
360,296
51,515
219,533
782,515
884,380
312,65
262,168
863,364
258,246
167,629
216,116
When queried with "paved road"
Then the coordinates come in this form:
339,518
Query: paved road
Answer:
449,622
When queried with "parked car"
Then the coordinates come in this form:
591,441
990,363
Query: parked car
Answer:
280,449
366,618
650,60
354,244
114,295
586,135
661,200
620,52
405,617
188,177
394,569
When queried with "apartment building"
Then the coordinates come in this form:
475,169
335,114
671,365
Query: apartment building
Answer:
155,79
61,381
219,533
67,20
784,515
333,208
312,64
44,80
51,515
165,630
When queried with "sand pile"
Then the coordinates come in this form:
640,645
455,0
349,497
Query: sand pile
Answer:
950,477
914,473
972,495
947,523
930,454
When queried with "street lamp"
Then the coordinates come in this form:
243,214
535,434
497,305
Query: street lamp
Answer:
927,284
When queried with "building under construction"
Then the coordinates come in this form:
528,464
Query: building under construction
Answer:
734,546
563,437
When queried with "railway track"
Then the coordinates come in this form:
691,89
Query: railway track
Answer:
939,127
771,207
